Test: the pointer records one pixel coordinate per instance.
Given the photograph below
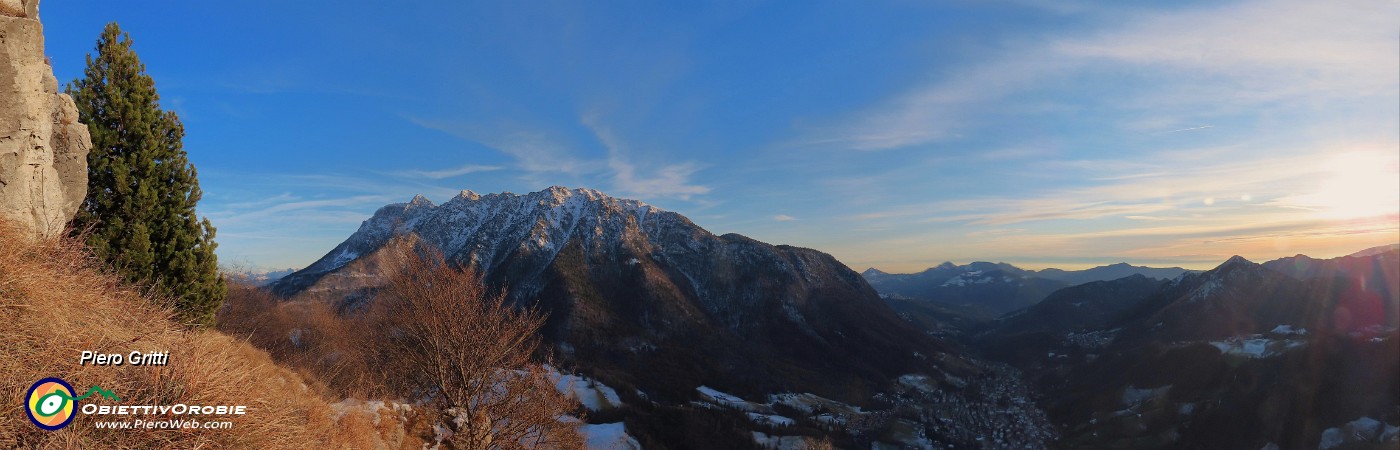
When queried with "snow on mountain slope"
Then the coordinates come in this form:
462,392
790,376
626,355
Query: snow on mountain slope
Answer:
632,287
485,230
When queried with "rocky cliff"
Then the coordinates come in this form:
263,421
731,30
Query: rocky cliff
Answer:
43,147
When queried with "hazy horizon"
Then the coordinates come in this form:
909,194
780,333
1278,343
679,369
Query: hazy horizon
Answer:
892,135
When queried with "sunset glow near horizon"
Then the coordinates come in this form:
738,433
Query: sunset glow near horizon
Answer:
894,135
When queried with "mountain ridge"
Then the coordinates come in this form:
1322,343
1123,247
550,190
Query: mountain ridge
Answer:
1096,273
631,287
1239,356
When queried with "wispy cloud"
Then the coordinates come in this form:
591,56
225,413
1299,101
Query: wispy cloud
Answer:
1260,50
534,149
784,218
448,173
290,219
668,181
1192,214
538,152
1248,52
927,113
995,232
1159,190
286,208
1148,218
672,180
1203,127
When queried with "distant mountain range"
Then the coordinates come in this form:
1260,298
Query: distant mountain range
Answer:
1293,353
256,277
1109,272
987,290
1374,269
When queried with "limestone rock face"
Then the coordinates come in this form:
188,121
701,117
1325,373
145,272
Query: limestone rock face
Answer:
43,147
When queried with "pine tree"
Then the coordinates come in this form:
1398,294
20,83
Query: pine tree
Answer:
140,209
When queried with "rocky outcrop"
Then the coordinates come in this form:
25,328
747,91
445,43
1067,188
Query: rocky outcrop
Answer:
20,8
43,147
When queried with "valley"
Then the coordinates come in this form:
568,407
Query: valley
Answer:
677,322
783,347
1242,356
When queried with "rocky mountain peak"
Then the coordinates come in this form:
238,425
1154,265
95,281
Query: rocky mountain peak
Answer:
622,278
420,201
1235,262
466,195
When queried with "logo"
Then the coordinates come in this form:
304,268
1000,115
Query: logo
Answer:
50,402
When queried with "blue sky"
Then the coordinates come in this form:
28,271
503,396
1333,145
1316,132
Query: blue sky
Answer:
890,134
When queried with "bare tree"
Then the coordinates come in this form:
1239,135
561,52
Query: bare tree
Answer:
470,351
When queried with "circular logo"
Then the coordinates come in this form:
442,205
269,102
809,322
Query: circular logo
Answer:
50,403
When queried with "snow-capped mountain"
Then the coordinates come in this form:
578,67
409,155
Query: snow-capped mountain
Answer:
256,277
646,294
496,229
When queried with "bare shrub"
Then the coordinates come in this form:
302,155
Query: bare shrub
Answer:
469,351
308,336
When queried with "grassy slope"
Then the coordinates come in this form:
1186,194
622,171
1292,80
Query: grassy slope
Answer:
54,303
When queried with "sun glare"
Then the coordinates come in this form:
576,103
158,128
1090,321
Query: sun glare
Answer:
1357,185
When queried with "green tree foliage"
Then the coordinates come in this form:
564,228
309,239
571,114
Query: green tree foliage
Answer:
142,189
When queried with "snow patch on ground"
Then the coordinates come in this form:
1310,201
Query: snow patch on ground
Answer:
1361,430
733,401
917,381
1256,346
809,403
771,419
1289,330
593,394
833,412
608,436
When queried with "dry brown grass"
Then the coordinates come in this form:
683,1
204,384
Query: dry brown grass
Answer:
54,303
328,349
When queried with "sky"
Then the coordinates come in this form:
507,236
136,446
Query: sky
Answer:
894,135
